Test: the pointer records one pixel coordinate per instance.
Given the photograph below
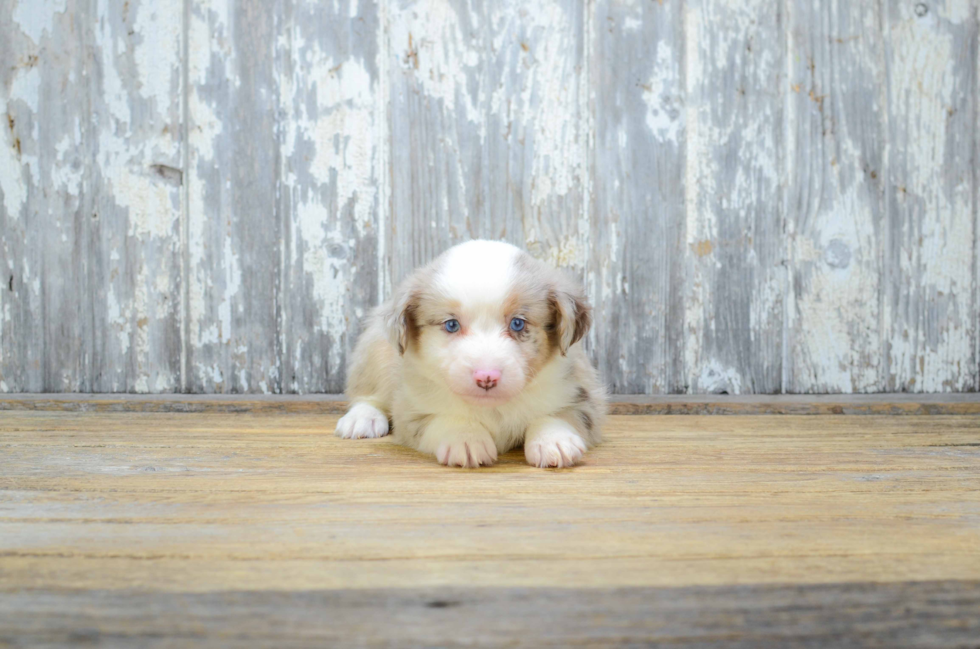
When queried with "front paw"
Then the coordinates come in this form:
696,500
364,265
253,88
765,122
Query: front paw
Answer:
467,452
362,421
555,445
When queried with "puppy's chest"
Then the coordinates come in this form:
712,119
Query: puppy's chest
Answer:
504,424
513,419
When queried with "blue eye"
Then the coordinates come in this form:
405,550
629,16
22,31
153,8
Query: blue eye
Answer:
452,326
517,325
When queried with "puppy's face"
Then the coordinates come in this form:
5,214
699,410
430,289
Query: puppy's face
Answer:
484,318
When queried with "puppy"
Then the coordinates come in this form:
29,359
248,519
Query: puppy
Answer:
473,355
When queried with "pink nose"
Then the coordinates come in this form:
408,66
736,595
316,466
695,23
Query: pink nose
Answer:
486,379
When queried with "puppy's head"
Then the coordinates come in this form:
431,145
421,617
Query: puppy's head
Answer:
484,318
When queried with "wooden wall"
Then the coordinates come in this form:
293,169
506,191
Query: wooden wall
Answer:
761,196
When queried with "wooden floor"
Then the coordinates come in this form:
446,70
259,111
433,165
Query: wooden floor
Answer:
256,529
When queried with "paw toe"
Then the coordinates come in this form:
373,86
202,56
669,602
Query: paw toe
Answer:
343,429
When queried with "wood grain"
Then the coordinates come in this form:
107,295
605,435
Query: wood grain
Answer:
227,525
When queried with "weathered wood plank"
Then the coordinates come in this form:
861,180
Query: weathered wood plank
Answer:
637,248
23,211
837,112
134,253
234,234
931,614
735,280
91,182
488,136
332,198
930,251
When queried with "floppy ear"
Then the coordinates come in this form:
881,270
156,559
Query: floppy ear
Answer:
572,313
398,315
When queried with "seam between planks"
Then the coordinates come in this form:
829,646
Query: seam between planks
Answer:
976,194
879,404
383,160
185,202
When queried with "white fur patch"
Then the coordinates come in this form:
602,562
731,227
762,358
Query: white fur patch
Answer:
362,421
479,272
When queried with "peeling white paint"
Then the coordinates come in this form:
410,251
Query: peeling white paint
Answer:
698,181
206,128
25,92
26,87
329,294
11,176
558,165
117,319
662,97
159,24
35,18
233,284
715,378
199,283
955,11
343,149
64,174
432,45
153,206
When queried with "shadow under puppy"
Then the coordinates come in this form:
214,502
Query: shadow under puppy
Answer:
473,355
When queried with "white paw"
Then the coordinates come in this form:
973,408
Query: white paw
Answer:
362,421
469,452
554,446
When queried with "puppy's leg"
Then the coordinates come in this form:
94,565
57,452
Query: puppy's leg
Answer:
456,442
373,371
553,442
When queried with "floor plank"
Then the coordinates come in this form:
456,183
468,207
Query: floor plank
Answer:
238,520
838,615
